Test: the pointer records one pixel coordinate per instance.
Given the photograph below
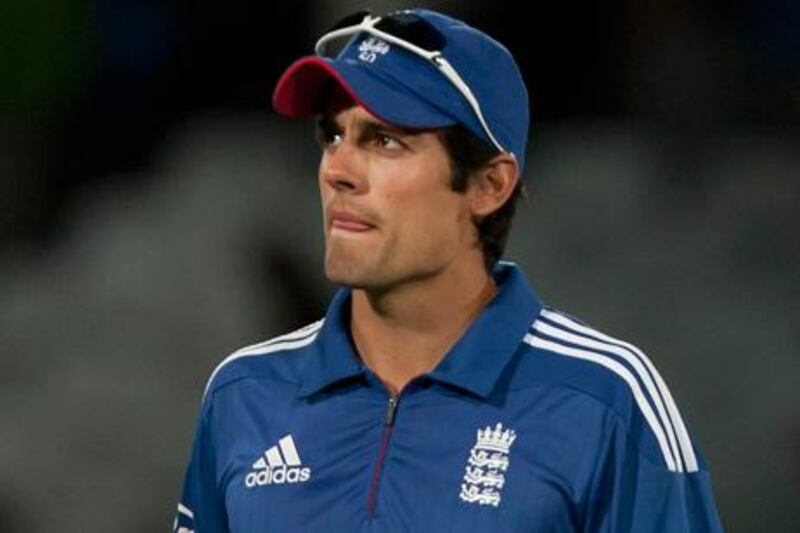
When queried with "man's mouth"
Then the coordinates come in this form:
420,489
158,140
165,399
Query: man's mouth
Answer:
342,220
350,226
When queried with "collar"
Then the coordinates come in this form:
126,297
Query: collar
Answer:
474,363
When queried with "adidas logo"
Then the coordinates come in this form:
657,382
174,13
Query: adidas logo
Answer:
278,466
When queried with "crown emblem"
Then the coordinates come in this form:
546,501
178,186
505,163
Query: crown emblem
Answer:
496,440
488,462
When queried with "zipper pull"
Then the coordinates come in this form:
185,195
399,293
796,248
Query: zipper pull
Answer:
390,409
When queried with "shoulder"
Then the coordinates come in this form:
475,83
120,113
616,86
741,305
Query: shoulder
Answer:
274,355
570,353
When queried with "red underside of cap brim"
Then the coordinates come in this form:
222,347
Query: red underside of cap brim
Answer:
299,90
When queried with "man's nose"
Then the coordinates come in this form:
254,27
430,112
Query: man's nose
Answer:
343,168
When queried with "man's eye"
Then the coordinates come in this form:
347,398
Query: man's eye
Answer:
328,138
387,141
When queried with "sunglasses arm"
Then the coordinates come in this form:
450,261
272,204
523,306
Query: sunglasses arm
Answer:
447,69
365,25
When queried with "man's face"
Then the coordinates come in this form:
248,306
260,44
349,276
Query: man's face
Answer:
390,215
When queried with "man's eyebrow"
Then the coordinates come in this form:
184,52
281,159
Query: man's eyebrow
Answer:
326,126
327,123
374,125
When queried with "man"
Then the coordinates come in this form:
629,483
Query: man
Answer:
437,394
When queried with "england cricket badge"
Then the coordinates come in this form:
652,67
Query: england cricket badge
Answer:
488,462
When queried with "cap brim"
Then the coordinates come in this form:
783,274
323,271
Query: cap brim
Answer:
300,93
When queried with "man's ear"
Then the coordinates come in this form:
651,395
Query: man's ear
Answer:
491,186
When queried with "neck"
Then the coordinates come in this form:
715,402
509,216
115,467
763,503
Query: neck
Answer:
407,331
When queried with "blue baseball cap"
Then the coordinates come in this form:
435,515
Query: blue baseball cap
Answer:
402,88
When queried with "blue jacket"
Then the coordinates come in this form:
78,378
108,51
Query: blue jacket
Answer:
533,422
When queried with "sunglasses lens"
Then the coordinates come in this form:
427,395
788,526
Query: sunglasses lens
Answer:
411,28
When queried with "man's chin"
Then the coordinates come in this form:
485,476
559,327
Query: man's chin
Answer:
356,276
347,273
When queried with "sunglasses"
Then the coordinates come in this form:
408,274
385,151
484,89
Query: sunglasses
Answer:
415,34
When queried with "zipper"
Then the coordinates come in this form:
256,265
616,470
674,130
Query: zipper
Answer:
390,410
388,424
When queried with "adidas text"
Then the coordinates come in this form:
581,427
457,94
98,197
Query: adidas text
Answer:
277,476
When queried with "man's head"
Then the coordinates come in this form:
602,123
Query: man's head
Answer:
457,97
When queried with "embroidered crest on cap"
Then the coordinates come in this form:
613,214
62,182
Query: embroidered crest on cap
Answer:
370,48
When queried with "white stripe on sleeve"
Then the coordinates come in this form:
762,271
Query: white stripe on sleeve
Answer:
630,358
622,372
683,435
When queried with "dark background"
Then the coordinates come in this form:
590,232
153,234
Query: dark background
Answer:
155,215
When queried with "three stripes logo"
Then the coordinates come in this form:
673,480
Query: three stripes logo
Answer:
278,465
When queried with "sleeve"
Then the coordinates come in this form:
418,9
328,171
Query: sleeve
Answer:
632,493
201,508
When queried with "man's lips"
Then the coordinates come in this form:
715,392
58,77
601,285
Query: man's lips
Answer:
350,222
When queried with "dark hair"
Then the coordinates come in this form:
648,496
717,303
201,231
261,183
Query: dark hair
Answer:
468,154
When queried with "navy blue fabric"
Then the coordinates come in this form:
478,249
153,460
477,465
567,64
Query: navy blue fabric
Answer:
584,458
